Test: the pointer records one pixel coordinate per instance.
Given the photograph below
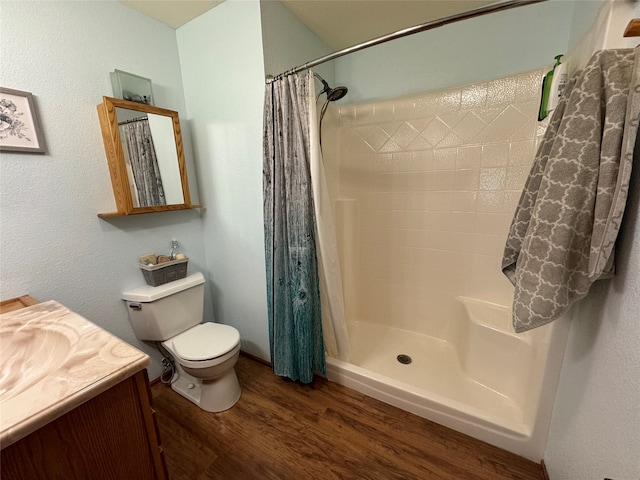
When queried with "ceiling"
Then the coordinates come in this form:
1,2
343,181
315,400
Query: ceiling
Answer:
344,23
338,23
174,13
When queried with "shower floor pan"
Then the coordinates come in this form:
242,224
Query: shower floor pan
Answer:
433,386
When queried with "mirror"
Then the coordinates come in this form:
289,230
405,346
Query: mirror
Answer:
145,156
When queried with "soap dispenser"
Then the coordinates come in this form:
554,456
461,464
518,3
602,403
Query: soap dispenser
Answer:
174,249
552,87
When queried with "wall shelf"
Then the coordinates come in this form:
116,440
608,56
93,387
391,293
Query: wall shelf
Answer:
141,211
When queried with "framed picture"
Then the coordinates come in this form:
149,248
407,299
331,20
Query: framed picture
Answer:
128,86
19,126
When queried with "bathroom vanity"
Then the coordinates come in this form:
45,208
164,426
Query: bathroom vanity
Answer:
74,399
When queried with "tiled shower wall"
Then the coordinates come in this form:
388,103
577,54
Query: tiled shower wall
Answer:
424,189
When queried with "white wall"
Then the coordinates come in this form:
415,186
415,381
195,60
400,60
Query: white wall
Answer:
288,42
53,245
595,430
224,55
475,50
587,31
223,74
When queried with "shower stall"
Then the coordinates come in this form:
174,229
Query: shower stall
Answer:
413,200
423,190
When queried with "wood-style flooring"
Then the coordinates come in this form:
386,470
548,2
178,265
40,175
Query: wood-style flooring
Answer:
284,430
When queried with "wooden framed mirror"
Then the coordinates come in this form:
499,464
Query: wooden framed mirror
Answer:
146,161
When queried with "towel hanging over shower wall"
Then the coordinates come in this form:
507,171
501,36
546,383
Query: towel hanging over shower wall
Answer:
565,226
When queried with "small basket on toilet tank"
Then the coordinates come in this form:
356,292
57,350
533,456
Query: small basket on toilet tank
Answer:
162,273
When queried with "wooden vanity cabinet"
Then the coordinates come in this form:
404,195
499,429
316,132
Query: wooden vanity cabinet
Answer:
113,436
17,303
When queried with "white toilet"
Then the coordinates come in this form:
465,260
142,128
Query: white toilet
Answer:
205,353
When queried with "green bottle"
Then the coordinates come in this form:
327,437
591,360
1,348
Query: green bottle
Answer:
546,90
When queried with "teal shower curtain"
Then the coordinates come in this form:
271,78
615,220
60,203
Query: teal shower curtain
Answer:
293,294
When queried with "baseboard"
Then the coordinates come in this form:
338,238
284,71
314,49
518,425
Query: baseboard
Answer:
543,470
257,359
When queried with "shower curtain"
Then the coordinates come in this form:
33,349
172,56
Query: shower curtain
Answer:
334,322
144,163
293,290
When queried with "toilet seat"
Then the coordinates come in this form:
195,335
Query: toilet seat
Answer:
204,344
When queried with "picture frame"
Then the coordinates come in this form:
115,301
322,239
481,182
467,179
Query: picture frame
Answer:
128,86
19,125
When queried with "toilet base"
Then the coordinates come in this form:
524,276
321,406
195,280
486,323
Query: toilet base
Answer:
211,395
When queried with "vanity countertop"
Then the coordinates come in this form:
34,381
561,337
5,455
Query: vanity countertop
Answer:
51,361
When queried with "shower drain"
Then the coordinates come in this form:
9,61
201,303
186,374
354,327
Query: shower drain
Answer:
404,359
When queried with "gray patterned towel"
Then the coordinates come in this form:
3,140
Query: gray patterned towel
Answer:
563,233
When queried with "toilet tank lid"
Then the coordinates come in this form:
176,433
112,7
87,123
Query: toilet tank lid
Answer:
148,293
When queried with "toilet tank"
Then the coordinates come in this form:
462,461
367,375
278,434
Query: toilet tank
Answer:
159,313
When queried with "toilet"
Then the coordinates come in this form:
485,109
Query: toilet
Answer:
204,353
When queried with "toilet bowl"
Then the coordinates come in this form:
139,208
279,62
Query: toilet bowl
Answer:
205,356
204,353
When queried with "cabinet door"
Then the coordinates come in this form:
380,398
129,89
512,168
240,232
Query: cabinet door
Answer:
106,438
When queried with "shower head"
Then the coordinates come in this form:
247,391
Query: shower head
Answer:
336,93
333,94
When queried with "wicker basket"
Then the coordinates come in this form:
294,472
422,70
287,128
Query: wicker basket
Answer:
166,272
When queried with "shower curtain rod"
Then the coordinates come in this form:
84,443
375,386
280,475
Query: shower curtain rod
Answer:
132,120
476,12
